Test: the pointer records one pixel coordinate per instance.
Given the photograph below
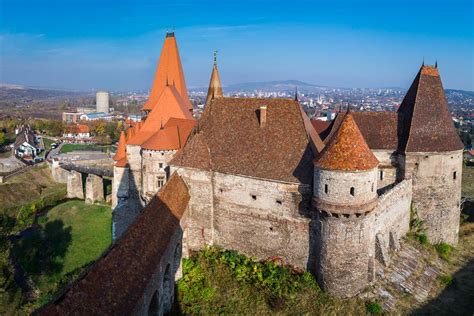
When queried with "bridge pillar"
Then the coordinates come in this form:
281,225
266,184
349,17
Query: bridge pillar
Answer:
94,189
74,185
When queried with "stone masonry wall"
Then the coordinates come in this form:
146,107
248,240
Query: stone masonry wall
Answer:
392,219
436,192
155,165
339,186
75,189
388,171
94,189
345,253
120,185
258,218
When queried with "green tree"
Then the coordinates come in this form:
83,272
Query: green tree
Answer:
2,138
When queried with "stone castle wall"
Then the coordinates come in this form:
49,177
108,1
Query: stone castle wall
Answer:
335,186
436,192
388,167
256,217
155,167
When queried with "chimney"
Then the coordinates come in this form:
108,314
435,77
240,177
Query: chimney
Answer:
263,115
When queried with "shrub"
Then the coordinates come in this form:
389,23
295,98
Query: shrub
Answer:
445,280
373,308
422,238
444,250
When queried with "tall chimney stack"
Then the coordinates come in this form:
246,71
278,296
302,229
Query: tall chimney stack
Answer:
263,115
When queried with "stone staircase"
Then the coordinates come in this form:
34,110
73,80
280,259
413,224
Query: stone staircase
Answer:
412,277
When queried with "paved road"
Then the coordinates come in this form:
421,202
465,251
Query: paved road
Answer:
54,152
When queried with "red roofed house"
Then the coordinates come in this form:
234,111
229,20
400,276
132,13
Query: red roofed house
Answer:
77,133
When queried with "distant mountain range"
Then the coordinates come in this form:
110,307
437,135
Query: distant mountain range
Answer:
282,85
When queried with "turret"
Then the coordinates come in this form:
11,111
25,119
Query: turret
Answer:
344,195
430,153
215,87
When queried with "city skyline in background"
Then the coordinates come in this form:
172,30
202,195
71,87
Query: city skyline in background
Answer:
87,45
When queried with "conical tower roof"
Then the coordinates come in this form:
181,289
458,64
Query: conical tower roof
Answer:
170,104
130,134
121,148
424,118
215,87
347,150
168,72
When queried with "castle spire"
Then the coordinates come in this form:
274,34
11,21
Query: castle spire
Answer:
121,148
296,94
215,87
169,69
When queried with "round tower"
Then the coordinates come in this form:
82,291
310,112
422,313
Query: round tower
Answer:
344,194
102,101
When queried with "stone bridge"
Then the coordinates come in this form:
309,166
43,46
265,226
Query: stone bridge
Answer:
85,181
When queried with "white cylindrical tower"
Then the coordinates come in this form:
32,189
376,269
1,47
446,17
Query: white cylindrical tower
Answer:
102,101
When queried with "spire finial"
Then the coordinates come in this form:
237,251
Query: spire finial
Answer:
296,93
215,58
348,108
423,63
436,63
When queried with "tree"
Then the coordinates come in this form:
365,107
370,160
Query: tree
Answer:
2,138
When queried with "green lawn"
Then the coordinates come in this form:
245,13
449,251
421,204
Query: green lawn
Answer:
70,236
73,147
47,143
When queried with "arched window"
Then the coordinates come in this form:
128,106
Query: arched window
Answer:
177,257
154,307
352,191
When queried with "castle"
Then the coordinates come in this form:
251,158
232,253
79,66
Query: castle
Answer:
253,175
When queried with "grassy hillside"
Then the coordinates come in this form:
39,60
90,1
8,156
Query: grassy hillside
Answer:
29,186
69,237
225,282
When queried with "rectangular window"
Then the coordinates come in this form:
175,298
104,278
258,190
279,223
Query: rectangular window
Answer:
160,165
161,182
381,174
326,188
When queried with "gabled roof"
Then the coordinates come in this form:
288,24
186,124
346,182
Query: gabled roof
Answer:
215,87
116,283
172,136
347,150
424,118
229,139
121,148
168,72
170,104
320,125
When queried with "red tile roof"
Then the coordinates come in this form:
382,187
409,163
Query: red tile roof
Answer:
168,72
172,136
320,125
229,139
121,148
117,281
426,124
347,150
170,104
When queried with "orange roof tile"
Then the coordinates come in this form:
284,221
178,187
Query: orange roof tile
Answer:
122,163
130,134
347,150
168,72
172,136
121,148
170,104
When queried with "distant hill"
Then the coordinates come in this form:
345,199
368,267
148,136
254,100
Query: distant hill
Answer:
283,85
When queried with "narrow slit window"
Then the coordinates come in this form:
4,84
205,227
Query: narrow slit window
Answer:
254,197
279,202
352,191
372,187
326,188
381,174
454,175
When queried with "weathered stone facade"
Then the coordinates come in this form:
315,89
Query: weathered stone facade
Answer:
75,188
94,189
155,171
436,192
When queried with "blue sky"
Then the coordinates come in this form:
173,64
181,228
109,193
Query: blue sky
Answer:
105,44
